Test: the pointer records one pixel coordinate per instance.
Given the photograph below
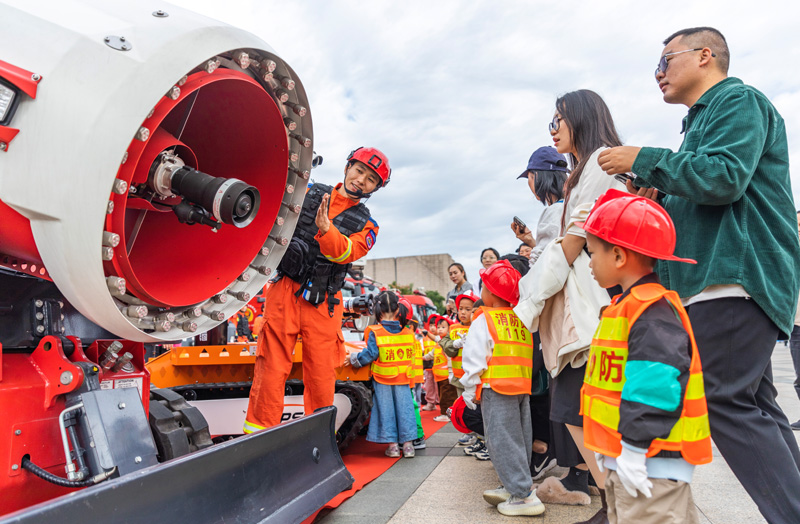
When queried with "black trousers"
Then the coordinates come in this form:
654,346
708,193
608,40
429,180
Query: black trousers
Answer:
735,339
794,347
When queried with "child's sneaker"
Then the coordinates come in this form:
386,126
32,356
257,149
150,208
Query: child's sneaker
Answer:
482,455
467,440
496,496
419,443
441,418
529,506
408,450
475,448
429,407
393,450
541,463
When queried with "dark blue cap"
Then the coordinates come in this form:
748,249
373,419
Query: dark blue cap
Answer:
545,159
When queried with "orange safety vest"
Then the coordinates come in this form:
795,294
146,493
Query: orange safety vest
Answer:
419,373
511,364
395,363
605,378
455,331
439,368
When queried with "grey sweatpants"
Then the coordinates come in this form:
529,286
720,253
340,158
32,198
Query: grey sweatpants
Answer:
507,426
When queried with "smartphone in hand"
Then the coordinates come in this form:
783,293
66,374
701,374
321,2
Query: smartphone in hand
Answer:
520,224
624,177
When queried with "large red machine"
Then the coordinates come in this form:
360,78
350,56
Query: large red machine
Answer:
148,161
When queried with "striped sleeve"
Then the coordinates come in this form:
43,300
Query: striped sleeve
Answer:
341,249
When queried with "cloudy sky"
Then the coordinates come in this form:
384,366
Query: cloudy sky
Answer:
458,94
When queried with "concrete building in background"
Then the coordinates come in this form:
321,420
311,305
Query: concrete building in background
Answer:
427,271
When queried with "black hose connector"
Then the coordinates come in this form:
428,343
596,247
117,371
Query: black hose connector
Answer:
54,479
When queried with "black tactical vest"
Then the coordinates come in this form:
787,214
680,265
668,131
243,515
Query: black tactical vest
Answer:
303,263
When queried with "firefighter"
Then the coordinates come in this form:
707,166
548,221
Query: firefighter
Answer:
334,229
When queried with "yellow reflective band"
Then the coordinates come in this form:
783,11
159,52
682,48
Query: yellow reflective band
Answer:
507,372
695,389
387,371
396,340
249,427
345,254
515,350
613,329
689,429
602,412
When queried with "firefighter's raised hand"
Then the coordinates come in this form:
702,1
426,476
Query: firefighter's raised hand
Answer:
322,221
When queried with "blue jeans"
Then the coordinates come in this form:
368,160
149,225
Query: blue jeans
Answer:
393,418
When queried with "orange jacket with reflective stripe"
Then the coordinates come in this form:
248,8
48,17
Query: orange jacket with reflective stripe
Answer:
395,363
455,331
511,364
605,377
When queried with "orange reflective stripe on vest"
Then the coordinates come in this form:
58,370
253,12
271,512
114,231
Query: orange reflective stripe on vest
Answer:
511,364
395,363
455,333
605,377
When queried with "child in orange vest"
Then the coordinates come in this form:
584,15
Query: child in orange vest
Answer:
391,350
498,363
452,344
643,404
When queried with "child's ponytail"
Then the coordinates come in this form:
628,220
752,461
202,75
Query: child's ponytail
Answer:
386,303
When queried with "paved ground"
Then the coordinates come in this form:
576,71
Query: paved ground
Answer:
442,485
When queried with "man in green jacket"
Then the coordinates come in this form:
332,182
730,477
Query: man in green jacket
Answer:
729,193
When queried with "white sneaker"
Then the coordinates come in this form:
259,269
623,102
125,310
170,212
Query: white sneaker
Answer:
467,440
441,418
529,506
496,496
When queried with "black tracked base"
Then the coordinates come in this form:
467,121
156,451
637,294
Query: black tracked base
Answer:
277,476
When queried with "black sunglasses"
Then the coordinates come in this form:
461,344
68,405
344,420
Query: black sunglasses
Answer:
663,64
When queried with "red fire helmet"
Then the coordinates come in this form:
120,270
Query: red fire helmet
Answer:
409,309
635,223
375,159
457,415
502,280
469,295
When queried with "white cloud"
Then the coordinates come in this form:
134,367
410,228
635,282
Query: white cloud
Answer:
458,94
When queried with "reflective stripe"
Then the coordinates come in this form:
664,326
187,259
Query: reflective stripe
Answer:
695,388
344,255
250,427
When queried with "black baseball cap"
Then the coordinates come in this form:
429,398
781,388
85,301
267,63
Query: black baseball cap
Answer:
545,159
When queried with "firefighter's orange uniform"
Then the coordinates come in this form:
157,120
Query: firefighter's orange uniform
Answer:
287,315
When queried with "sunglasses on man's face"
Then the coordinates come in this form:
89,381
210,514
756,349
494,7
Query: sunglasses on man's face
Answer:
663,64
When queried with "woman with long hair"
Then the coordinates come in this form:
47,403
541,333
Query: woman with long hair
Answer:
581,128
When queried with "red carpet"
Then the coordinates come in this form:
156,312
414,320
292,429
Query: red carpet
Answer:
366,461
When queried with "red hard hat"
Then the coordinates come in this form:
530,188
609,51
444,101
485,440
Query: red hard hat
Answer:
633,222
469,294
375,159
433,320
409,309
457,415
502,280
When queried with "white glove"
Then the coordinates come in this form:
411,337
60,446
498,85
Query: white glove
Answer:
601,459
459,342
469,398
354,360
633,472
